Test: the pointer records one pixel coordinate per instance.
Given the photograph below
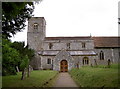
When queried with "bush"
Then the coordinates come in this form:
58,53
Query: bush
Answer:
15,54
10,60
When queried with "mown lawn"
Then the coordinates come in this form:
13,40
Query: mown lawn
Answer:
36,79
96,76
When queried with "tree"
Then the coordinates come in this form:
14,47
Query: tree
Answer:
19,46
15,54
26,55
14,16
30,54
24,64
10,58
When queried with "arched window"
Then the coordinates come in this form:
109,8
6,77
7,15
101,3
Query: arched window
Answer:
48,61
85,61
35,26
101,55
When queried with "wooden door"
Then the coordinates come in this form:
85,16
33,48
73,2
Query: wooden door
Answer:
63,66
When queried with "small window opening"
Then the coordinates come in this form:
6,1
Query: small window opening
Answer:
48,61
50,45
83,44
35,26
68,45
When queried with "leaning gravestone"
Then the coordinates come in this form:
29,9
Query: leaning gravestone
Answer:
17,69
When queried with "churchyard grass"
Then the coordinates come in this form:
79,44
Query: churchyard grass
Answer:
99,76
38,78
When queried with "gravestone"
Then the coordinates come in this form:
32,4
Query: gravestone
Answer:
17,69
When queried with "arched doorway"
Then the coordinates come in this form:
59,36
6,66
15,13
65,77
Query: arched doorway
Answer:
63,66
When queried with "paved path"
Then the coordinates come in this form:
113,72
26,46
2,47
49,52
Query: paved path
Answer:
64,80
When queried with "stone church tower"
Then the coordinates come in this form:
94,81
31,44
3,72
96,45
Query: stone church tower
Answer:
35,38
36,33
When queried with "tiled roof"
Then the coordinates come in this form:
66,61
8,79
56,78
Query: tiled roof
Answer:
69,38
106,41
98,41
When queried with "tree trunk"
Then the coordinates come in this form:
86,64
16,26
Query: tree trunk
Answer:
23,74
28,74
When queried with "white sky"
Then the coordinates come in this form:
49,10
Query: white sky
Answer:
77,18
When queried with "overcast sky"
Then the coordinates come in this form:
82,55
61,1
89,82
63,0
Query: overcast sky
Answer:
77,18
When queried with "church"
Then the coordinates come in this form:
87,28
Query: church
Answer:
64,53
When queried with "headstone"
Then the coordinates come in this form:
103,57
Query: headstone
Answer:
109,63
17,69
30,68
95,62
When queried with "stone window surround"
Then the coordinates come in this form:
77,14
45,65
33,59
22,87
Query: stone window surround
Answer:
85,61
101,55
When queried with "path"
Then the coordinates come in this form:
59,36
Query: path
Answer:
64,80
